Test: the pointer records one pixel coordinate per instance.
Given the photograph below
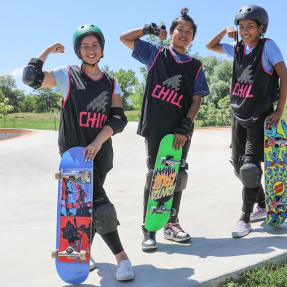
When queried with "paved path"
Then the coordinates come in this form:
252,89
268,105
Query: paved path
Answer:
210,208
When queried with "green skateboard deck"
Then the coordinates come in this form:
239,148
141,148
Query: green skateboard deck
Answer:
159,208
275,160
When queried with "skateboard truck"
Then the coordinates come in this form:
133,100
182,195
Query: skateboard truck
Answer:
170,161
162,209
70,252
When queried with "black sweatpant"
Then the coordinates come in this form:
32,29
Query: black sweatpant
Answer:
248,147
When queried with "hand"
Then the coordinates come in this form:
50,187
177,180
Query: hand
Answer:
92,149
274,118
56,48
162,33
179,141
231,33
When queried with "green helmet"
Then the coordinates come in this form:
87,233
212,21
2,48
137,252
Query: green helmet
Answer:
85,30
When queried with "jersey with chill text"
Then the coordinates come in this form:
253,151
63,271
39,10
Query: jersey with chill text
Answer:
253,89
168,94
84,113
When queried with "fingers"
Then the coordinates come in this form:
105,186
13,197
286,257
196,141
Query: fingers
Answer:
162,34
89,153
179,141
58,48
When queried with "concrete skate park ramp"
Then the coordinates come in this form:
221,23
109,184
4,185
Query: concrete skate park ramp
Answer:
210,207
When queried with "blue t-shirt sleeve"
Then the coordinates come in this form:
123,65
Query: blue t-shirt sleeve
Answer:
61,75
145,52
117,89
200,87
228,49
272,55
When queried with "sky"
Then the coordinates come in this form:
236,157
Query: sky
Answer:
27,27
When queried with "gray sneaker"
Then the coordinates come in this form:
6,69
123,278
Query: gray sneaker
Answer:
174,232
258,214
149,241
241,229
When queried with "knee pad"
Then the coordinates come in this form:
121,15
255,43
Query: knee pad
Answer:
149,176
181,180
105,218
250,175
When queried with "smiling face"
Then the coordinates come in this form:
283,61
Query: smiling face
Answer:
90,49
182,36
250,32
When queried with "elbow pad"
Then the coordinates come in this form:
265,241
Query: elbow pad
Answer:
33,75
117,120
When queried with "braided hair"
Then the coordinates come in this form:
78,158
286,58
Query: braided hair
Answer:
183,17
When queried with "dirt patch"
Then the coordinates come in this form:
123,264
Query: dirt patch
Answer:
11,133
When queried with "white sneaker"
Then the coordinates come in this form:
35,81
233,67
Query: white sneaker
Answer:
258,214
125,271
241,229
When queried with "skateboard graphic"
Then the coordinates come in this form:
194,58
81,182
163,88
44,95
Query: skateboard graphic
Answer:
275,161
159,207
74,212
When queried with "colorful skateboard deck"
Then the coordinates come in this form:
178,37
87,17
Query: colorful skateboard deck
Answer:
74,211
159,208
275,160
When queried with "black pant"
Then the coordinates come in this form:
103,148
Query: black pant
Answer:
99,198
152,146
248,147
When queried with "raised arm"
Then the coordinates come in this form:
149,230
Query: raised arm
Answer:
129,37
215,45
33,74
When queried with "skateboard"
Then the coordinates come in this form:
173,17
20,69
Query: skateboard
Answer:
275,161
74,216
159,207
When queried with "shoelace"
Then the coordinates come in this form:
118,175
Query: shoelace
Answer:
175,227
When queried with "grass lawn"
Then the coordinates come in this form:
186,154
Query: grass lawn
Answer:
43,121
268,275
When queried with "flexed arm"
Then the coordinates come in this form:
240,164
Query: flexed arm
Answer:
215,45
129,37
33,74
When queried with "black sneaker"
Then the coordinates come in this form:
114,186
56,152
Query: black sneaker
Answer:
149,241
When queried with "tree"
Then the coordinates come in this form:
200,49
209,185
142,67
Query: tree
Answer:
5,108
127,81
46,100
10,92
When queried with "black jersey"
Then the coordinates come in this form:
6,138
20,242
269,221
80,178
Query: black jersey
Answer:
253,89
168,94
84,113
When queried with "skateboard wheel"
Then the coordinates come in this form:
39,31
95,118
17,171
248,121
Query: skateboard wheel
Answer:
54,254
57,175
83,254
162,160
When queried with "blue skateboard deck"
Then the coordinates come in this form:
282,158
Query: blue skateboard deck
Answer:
74,213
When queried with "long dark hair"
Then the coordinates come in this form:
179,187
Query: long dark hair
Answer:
183,17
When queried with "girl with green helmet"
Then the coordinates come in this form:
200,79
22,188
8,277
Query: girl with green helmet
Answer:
91,113
258,65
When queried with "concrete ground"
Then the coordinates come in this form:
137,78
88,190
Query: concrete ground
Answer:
210,207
